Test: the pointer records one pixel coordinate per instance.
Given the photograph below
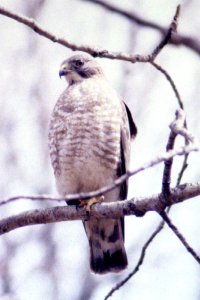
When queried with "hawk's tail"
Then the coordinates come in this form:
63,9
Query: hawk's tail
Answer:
107,252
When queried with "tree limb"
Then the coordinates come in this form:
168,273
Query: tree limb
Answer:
178,127
135,206
93,51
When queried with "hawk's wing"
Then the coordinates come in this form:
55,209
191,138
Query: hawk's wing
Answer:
132,126
128,132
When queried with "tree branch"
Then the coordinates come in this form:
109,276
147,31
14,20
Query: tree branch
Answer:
168,77
178,39
74,199
168,166
135,206
176,128
180,236
32,24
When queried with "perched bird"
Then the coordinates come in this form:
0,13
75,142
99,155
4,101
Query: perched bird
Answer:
89,139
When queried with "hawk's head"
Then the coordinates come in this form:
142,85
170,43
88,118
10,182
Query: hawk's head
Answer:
79,67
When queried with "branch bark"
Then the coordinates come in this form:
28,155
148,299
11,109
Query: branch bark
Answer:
93,51
135,206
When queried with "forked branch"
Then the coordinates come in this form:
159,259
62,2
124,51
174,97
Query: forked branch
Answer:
32,24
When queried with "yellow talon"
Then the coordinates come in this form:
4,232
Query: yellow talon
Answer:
90,202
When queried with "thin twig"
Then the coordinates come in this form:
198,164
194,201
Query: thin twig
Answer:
168,77
183,168
72,198
167,37
180,236
180,102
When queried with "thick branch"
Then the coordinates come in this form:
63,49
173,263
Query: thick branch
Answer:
135,206
178,39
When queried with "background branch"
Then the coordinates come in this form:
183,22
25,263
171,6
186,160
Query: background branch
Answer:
178,39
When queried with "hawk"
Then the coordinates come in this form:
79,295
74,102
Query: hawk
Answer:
89,139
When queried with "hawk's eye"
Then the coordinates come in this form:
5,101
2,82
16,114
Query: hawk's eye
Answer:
78,63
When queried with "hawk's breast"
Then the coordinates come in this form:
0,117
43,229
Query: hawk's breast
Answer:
85,136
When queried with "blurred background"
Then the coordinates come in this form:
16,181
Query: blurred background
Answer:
52,261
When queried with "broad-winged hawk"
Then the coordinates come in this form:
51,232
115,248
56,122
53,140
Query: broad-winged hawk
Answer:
89,139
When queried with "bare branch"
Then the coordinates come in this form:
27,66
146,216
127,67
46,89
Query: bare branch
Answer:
128,15
168,166
180,236
93,51
184,167
75,198
168,77
135,206
168,35
176,128
178,39
150,164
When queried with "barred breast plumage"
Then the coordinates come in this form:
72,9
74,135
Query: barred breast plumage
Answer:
86,150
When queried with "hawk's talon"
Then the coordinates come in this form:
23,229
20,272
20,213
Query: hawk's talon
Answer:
82,202
90,202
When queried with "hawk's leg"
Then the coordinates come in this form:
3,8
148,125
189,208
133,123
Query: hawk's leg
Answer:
90,202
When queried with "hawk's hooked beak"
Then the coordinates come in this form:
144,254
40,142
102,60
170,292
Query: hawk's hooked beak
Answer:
64,70
61,73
